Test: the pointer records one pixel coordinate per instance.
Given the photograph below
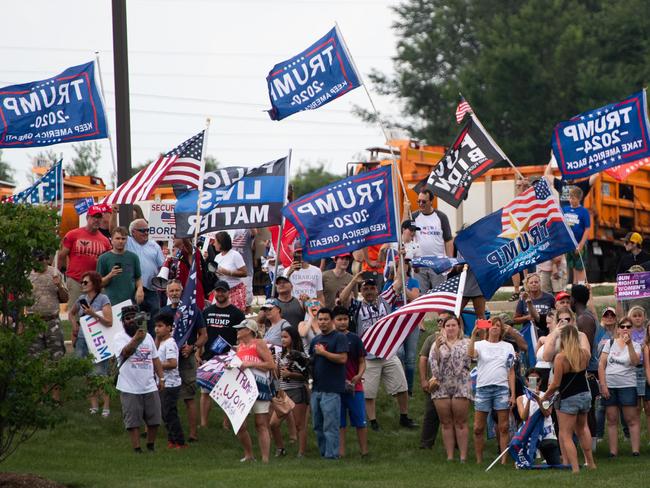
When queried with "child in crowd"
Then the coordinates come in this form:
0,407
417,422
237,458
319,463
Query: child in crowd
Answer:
577,217
168,354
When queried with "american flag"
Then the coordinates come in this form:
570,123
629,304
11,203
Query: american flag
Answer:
47,189
535,204
385,337
462,110
180,166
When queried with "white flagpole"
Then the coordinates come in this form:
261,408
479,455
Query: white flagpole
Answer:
374,108
281,230
201,176
108,127
461,290
398,229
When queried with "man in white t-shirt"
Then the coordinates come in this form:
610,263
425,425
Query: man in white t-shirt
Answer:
137,360
434,238
307,280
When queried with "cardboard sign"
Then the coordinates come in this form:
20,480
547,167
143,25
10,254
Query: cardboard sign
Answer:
235,393
99,338
630,286
162,222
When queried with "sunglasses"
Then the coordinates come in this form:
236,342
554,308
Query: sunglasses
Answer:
422,202
144,231
85,282
624,326
564,319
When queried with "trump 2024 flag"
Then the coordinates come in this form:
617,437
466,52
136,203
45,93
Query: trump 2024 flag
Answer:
321,73
529,230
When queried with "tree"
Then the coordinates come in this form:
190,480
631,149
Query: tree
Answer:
84,162
26,380
6,171
522,65
310,178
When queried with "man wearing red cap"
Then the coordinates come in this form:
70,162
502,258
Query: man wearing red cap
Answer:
334,280
82,247
562,301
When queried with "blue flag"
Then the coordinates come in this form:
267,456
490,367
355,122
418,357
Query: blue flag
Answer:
439,264
82,205
187,314
346,215
321,73
47,189
529,332
64,108
602,138
529,230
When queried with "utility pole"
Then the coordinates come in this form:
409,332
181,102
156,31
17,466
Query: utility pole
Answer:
122,109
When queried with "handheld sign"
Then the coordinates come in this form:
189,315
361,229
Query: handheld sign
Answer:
64,108
162,222
630,286
99,338
235,393
603,138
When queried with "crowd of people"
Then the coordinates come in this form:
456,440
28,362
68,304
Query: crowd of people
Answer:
304,349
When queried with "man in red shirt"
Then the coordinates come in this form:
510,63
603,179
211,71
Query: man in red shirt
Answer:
82,247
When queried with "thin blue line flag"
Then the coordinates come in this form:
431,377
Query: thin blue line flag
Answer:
47,189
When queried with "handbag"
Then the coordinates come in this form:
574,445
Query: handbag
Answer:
282,404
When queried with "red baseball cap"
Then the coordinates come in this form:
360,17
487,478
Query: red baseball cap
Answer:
345,255
96,210
561,295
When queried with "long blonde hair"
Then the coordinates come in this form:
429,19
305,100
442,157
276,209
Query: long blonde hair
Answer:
570,346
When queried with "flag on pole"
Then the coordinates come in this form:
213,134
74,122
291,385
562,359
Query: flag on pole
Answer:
287,242
188,314
462,109
529,332
385,337
180,166
621,172
47,189
439,264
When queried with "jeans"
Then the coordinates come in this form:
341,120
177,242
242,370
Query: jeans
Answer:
326,415
407,353
151,305
430,423
169,407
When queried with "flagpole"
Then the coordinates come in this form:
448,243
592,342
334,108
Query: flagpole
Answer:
59,210
201,176
282,220
108,127
374,108
398,229
461,290
489,137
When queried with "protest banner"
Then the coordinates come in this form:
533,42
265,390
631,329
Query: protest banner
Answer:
82,205
603,138
529,230
321,73
234,198
630,286
346,215
471,155
64,108
99,338
235,393
162,222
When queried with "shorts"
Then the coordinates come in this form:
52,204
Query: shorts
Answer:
237,296
298,395
575,404
50,341
74,291
187,371
646,397
139,407
621,397
355,403
640,381
81,351
261,406
389,371
492,397
573,261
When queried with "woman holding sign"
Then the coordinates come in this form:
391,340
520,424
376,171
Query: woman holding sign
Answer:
92,306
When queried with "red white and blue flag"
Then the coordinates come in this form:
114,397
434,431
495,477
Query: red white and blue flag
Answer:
188,314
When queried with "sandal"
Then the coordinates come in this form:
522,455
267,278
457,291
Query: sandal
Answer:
514,297
280,451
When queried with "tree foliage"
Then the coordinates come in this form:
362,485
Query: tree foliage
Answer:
6,171
310,178
86,159
523,65
26,380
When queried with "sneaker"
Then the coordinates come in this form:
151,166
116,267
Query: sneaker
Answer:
281,451
514,297
137,450
182,446
636,454
193,439
106,413
374,425
93,410
407,422
150,447
247,460
171,445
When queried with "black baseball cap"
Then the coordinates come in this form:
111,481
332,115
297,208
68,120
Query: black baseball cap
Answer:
222,285
129,311
410,224
282,278
369,282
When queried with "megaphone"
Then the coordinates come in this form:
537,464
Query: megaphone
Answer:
160,281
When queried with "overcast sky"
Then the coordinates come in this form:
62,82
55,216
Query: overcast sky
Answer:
189,59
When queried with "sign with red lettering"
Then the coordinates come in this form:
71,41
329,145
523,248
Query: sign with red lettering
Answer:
235,393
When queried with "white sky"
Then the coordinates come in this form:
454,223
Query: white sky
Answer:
189,59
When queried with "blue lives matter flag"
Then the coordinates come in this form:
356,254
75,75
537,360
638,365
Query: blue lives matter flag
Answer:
346,215
234,198
602,138
529,230
64,108
47,189
187,314
321,73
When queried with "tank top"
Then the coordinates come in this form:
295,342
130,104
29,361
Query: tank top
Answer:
248,352
541,364
573,383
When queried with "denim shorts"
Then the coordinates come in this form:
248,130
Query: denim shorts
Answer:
575,404
621,397
492,397
640,381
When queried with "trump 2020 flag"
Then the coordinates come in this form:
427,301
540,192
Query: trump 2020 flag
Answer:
47,189
346,215
321,73
64,108
602,138
472,154
529,230
234,198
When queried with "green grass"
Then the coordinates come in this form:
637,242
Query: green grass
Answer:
94,452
